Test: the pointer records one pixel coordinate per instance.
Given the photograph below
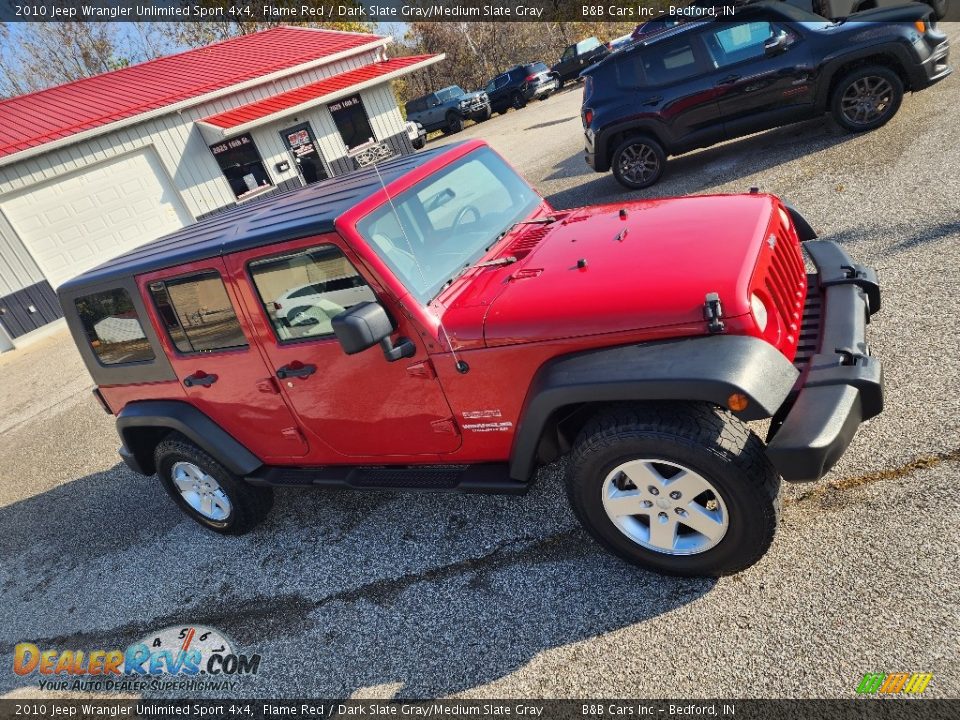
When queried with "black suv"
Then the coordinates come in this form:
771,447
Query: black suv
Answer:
520,84
704,82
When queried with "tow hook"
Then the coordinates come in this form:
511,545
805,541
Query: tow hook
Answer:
712,312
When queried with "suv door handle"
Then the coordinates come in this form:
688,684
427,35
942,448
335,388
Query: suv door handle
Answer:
296,369
199,378
729,80
655,100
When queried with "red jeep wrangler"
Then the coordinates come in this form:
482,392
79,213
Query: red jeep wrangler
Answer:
239,354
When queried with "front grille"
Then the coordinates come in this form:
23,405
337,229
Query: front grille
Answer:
785,283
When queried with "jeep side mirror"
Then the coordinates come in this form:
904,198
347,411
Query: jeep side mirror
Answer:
776,44
365,325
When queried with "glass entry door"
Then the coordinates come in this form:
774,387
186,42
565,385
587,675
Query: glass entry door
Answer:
302,144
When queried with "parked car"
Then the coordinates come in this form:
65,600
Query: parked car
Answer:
520,84
296,306
480,342
845,8
576,57
447,109
701,83
417,135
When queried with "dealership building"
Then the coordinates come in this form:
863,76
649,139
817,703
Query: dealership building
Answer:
93,168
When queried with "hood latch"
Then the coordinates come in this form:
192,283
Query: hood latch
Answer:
713,312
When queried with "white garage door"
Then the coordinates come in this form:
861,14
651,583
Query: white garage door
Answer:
77,222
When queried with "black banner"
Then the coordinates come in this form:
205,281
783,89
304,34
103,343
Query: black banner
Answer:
298,11
266,709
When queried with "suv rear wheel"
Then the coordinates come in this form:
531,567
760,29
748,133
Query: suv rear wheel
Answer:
207,491
680,489
638,162
518,101
866,98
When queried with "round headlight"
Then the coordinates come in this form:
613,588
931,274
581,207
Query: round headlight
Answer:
759,311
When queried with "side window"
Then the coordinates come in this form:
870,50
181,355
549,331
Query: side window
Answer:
669,63
585,46
568,53
736,43
113,328
502,81
303,292
197,313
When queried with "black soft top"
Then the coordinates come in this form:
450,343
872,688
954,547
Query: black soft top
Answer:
311,210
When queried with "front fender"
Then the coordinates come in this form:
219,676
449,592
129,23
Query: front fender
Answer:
706,369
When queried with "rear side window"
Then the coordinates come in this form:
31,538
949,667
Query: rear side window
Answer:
113,327
303,292
669,63
585,46
197,313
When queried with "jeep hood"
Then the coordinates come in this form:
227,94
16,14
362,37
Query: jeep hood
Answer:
599,270
908,12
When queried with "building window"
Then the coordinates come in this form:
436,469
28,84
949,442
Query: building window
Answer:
113,327
352,122
197,313
241,165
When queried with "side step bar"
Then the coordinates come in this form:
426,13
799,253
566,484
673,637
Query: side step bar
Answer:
487,478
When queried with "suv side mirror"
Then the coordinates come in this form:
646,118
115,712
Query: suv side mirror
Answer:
776,44
365,325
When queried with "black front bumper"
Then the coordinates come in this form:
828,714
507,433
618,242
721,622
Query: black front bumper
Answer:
840,384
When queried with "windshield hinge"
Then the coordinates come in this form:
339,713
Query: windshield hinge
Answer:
712,312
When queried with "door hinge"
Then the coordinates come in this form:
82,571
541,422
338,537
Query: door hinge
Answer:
422,370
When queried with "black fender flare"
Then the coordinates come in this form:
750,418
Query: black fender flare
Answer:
831,67
604,148
185,419
705,369
804,230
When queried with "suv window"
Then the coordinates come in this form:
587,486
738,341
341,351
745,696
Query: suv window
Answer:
197,313
585,46
736,43
668,63
568,53
113,327
302,292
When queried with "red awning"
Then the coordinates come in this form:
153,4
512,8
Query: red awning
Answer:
326,89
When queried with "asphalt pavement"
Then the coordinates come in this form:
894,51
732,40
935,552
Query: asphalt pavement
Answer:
391,595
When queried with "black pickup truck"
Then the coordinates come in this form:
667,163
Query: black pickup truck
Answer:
702,82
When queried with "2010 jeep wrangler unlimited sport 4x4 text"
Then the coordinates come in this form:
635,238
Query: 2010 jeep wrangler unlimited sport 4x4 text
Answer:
637,338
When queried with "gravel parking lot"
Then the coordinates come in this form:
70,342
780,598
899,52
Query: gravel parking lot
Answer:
383,595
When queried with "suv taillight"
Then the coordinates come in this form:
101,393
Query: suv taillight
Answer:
531,78
587,117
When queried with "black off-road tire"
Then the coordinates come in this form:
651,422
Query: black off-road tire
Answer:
249,504
454,123
518,101
701,437
640,146
939,8
560,83
484,115
867,73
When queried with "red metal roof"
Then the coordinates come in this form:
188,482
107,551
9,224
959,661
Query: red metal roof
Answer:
32,120
327,86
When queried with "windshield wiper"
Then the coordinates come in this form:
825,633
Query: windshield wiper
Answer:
536,221
509,260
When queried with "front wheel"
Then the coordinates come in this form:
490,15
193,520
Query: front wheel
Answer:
681,489
208,492
939,8
484,114
866,98
638,162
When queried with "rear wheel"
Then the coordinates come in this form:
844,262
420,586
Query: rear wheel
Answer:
559,83
939,8
207,491
682,489
638,162
454,123
866,98
518,101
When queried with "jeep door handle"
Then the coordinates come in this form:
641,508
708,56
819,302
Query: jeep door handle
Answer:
655,100
199,378
729,80
296,369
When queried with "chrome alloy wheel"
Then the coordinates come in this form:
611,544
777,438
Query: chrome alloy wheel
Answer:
201,491
866,100
639,163
665,507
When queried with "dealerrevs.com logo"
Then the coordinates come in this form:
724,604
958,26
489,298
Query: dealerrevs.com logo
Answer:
181,658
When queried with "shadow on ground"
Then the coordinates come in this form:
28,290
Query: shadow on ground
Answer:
338,591
703,169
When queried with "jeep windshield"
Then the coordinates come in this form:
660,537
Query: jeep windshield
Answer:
444,224
448,93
